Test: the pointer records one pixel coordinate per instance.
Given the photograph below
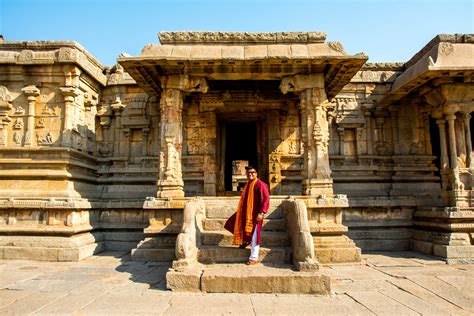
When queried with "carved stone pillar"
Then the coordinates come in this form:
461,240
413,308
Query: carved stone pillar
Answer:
366,107
117,107
467,137
126,143
315,131
105,114
340,131
383,147
170,179
394,116
5,107
455,180
444,160
145,132
69,94
31,93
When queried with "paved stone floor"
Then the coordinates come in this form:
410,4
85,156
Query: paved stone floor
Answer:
397,283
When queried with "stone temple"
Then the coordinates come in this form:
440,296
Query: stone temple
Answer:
145,156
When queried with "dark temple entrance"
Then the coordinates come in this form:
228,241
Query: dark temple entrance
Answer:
240,144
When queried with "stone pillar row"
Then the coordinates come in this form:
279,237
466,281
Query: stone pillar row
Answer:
450,170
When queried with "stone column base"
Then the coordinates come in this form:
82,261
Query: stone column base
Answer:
47,248
335,249
455,248
168,189
447,233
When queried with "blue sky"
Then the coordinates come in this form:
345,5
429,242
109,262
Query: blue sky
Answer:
387,31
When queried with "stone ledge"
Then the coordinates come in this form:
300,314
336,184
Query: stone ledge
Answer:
47,248
50,52
47,203
239,278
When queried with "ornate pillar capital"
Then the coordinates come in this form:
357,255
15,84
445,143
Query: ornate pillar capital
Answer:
299,83
451,117
184,83
69,93
117,107
31,92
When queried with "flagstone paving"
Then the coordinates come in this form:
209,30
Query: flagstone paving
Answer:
403,283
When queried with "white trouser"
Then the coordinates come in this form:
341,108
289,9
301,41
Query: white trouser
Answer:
254,247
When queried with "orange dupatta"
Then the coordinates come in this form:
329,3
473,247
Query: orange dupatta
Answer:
238,231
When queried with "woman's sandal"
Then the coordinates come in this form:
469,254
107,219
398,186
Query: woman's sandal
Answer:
250,262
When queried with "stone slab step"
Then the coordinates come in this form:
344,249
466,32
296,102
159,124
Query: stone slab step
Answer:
268,224
225,238
240,278
225,210
153,255
232,254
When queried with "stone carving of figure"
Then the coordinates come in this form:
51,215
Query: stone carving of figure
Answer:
40,123
18,124
19,109
49,138
16,138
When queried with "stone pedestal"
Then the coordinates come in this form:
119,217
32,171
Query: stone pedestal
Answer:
445,232
50,230
331,245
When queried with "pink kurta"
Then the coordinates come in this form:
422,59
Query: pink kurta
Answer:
260,205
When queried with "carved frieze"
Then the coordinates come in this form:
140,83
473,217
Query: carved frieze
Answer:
167,38
45,139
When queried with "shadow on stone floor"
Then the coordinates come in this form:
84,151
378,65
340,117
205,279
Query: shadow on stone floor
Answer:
150,274
404,255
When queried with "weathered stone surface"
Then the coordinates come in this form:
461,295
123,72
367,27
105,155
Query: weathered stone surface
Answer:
110,282
187,280
261,279
232,254
155,255
239,38
225,238
215,224
379,303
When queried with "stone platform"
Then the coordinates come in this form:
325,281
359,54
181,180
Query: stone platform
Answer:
240,278
390,283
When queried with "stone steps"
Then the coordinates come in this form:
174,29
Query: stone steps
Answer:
240,278
268,224
225,210
225,238
232,254
153,255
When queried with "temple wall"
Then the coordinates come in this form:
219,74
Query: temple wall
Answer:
48,132
80,152
127,140
382,160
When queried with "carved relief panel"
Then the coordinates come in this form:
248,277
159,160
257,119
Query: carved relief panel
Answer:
291,133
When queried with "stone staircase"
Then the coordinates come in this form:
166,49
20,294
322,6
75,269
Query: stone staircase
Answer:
209,262
217,243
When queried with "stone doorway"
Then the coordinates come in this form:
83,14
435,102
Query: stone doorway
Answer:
240,140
